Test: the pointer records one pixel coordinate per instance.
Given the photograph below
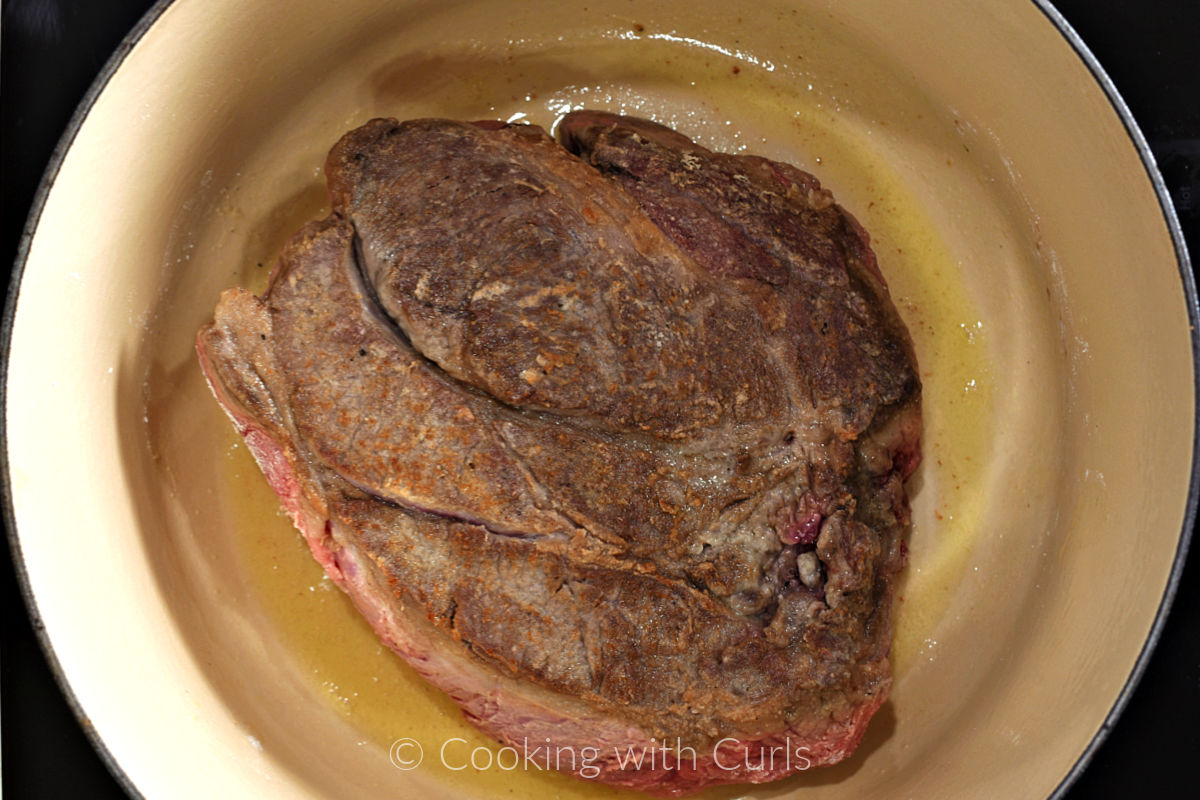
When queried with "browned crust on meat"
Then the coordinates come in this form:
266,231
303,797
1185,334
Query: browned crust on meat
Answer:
469,419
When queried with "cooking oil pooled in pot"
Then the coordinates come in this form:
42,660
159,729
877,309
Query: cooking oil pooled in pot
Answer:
749,109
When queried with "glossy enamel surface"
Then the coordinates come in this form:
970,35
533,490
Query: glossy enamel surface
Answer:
1013,218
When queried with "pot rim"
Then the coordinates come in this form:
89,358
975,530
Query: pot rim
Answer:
1166,206
1193,307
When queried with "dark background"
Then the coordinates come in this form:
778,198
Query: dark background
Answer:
53,49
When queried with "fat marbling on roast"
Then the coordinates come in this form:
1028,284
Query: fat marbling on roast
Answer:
607,439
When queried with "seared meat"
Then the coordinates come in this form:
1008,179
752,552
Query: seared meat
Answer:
608,440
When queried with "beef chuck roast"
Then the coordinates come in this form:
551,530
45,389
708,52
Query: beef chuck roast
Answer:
607,440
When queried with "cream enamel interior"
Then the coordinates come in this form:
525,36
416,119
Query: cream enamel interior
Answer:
972,132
